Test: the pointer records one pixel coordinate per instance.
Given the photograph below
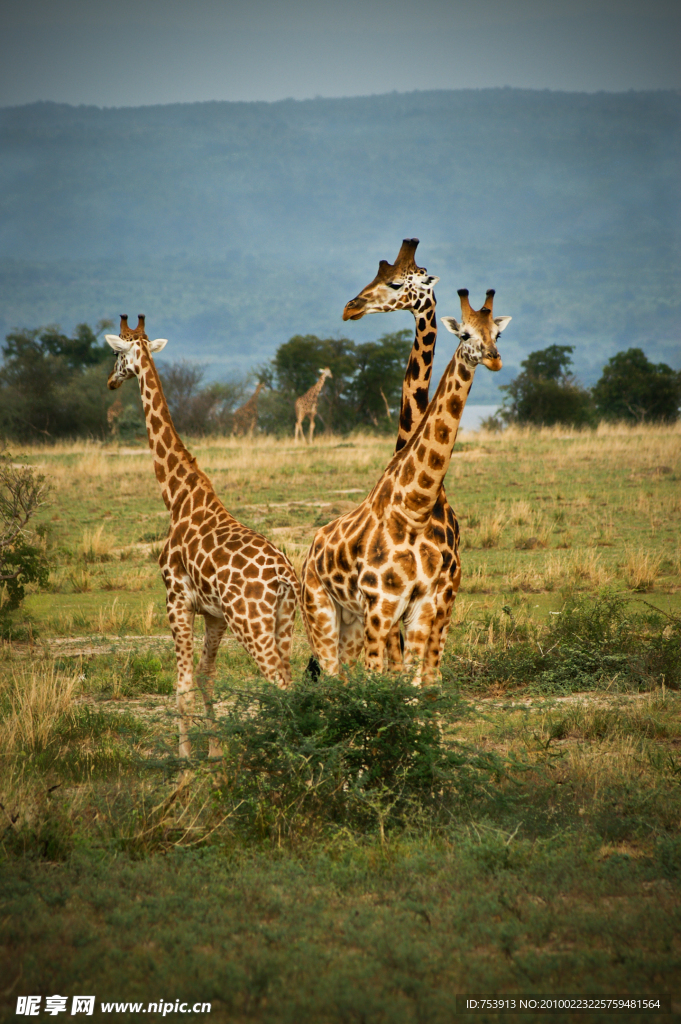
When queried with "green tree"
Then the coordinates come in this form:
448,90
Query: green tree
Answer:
22,494
295,368
198,409
365,389
633,389
52,385
546,392
376,389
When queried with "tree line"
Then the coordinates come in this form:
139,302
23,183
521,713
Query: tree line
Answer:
53,386
631,389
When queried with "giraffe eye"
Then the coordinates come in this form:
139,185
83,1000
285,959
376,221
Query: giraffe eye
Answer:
396,287
465,336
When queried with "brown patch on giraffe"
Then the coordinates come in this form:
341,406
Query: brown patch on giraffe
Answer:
425,480
408,472
383,497
441,432
396,530
377,550
407,563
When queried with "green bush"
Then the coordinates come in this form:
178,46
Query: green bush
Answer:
633,389
590,642
364,753
546,392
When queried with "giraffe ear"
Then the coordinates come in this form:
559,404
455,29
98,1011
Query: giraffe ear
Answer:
117,344
502,322
451,324
156,346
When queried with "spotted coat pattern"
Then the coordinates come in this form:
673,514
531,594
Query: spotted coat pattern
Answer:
382,562
404,285
212,565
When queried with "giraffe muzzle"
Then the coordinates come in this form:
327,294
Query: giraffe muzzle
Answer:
354,309
492,361
113,382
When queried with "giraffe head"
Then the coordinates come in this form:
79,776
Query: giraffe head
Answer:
398,285
478,331
326,372
130,347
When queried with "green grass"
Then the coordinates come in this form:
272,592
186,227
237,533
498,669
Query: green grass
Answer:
362,851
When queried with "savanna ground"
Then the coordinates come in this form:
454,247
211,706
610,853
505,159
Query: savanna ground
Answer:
363,852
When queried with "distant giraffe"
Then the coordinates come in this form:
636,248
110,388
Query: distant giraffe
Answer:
211,564
306,405
246,416
382,562
113,412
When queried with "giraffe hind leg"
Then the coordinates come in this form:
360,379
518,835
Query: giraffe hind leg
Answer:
284,621
181,621
215,630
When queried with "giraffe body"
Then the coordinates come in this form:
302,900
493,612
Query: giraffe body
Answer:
404,285
212,565
246,416
306,405
383,561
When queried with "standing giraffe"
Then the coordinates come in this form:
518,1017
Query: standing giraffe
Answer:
246,416
404,285
382,562
306,405
212,565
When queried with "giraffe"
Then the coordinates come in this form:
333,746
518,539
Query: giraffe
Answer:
306,405
211,564
246,416
404,285
382,562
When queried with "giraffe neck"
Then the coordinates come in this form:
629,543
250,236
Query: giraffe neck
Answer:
172,461
417,472
419,369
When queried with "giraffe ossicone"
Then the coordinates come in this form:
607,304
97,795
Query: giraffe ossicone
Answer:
382,562
212,565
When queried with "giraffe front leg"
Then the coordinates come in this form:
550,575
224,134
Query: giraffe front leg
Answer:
351,639
393,648
419,621
181,621
215,630
321,617
312,415
375,637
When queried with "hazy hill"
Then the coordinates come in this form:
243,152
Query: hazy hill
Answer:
235,225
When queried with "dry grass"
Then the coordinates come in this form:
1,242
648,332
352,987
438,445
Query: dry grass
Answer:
97,545
641,568
34,697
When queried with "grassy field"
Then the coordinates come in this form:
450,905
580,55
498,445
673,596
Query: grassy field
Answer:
361,853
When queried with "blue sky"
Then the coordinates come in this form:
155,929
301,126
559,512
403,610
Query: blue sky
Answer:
138,52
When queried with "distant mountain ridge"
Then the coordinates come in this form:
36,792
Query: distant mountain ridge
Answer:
236,225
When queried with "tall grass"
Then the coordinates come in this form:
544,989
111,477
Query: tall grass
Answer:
34,699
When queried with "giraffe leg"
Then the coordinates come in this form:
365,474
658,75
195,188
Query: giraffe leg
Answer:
284,622
419,625
311,426
350,641
321,616
374,643
393,648
448,586
181,621
215,630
